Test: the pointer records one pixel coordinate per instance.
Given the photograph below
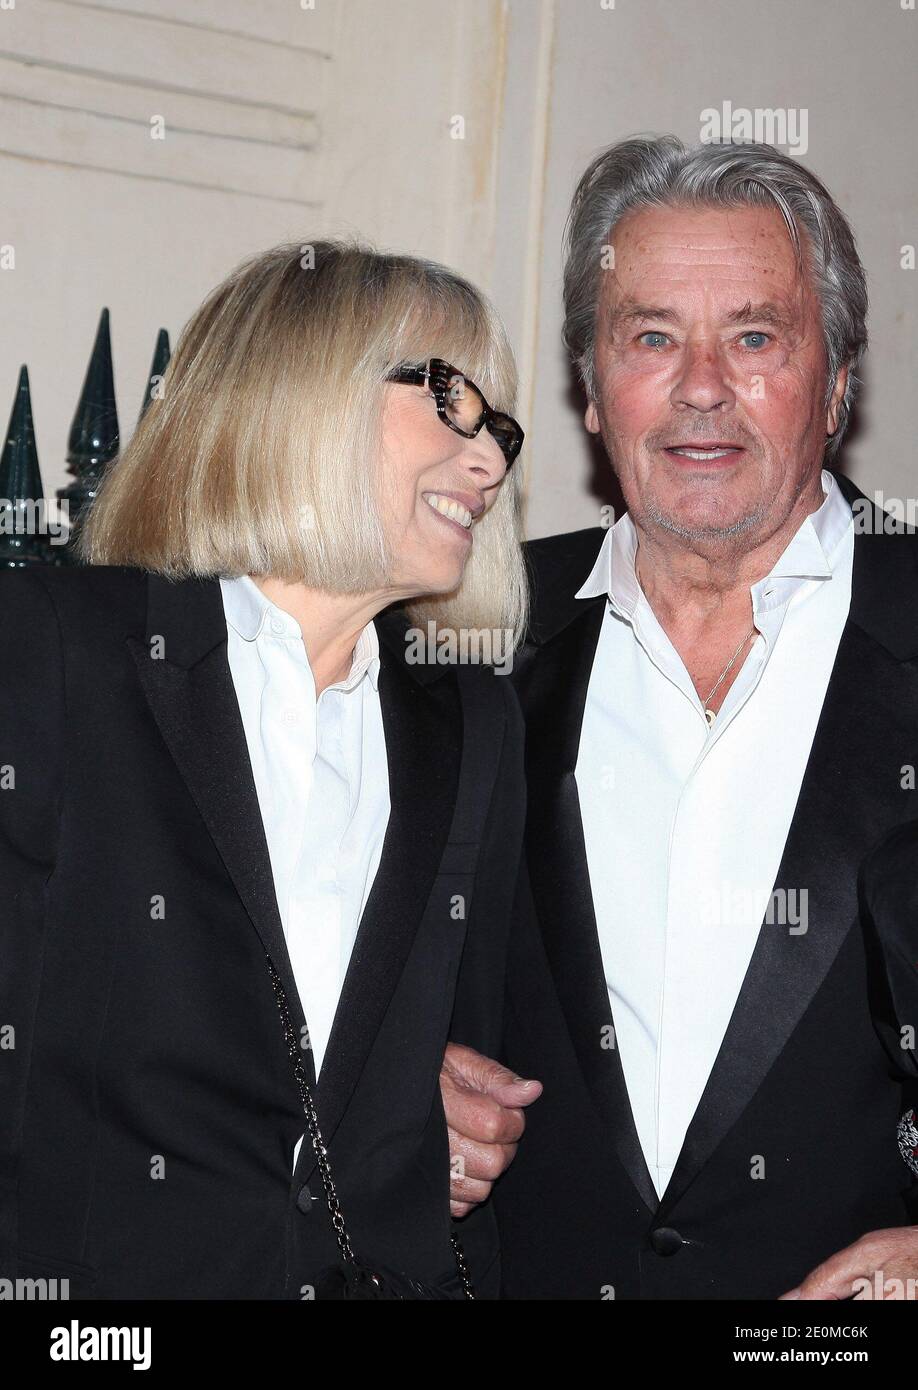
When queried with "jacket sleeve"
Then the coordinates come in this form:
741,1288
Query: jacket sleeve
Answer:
31,784
888,901
478,1010
477,1019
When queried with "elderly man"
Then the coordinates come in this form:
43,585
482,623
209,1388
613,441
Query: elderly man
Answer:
721,695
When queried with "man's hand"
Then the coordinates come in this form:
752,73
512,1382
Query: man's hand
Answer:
484,1103
883,1264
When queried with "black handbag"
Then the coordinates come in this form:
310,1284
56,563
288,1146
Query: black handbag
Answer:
353,1278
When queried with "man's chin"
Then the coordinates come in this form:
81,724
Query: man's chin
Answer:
706,524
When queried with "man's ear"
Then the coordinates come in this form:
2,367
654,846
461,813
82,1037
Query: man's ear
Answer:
838,395
591,418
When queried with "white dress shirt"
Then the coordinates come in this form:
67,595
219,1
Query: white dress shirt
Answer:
323,788
685,825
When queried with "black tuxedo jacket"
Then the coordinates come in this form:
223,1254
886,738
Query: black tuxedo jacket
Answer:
889,915
800,1080
148,1106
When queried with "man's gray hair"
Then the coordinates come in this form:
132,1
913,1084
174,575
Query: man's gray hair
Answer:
662,172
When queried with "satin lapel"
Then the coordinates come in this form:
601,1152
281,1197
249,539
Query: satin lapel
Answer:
553,692
185,676
422,722
851,793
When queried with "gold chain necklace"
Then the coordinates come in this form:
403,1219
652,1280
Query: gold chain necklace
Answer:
709,714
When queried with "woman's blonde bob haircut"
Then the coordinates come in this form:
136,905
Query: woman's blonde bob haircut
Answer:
261,457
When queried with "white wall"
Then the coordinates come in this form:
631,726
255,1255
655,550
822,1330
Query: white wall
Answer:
285,121
652,66
279,121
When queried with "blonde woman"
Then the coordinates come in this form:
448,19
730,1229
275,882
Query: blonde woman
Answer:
256,829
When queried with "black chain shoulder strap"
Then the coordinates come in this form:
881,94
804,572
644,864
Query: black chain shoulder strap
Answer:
321,1153
312,1119
481,701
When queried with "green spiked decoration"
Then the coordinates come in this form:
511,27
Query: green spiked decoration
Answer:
161,355
94,436
25,527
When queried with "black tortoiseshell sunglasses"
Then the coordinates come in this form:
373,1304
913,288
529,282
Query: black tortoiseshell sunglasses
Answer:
460,403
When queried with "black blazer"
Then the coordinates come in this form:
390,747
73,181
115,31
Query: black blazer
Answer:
148,1107
800,1078
889,914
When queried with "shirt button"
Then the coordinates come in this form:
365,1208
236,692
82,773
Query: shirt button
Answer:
665,1241
277,625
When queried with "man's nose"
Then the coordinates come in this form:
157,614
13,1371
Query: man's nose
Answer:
702,382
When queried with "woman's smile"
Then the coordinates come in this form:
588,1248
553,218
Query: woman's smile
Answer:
458,510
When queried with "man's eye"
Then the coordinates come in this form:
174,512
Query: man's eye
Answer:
653,339
761,340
